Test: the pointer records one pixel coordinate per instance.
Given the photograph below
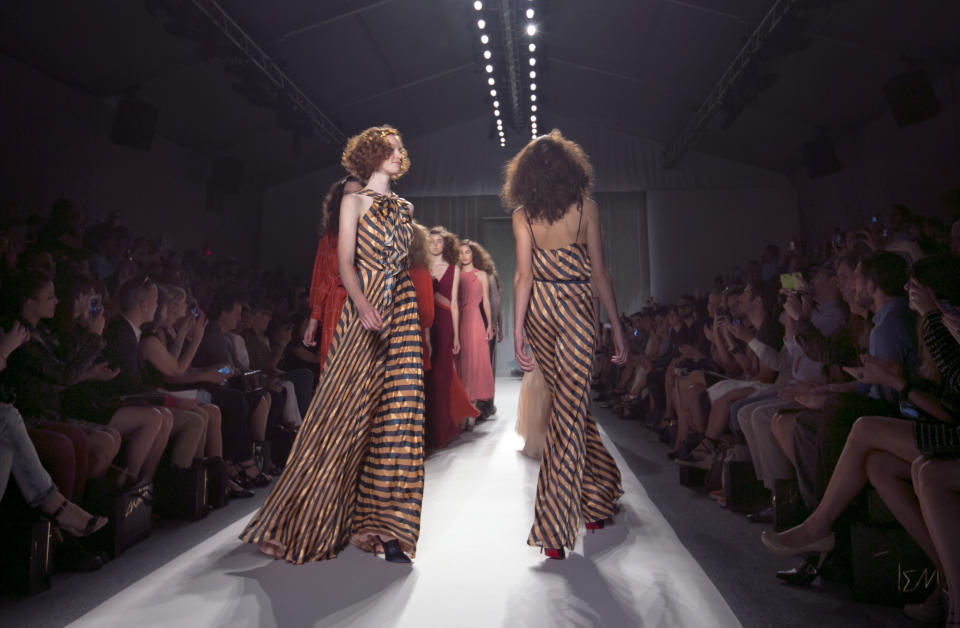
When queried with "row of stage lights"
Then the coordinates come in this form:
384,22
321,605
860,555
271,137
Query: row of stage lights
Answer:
531,30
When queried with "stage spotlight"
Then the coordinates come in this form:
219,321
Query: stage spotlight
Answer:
490,81
533,97
529,14
496,112
496,103
533,118
481,24
533,107
533,87
484,40
493,93
533,61
531,29
489,69
532,47
533,74
478,5
487,54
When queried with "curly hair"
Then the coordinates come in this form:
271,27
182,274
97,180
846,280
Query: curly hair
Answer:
481,259
451,245
547,176
367,150
330,210
417,254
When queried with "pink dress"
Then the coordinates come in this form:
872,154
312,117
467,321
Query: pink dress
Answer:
473,362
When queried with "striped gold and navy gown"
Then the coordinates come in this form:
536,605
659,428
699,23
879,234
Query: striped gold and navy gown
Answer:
579,480
356,468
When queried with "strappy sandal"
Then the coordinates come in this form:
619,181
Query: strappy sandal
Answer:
257,480
94,523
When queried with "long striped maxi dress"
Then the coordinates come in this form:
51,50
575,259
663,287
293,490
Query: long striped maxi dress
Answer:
578,477
356,468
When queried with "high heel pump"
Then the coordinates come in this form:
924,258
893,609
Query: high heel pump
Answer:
392,551
771,540
557,554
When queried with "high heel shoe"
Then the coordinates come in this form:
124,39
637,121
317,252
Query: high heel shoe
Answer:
596,525
771,540
392,551
94,523
557,554
273,549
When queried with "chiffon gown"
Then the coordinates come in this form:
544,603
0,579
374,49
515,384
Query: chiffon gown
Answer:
533,412
356,469
578,477
447,403
327,293
473,361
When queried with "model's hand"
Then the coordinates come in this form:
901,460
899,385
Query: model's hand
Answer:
310,334
490,333
370,318
520,352
620,347
456,345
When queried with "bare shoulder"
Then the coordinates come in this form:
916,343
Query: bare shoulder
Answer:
590,207
355,203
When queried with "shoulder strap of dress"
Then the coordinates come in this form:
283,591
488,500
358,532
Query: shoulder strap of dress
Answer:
530,226
579,220
368,192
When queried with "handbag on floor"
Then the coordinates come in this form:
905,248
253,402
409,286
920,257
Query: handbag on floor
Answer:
937,439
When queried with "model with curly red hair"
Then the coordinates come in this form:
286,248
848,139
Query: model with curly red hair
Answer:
355,474
559,253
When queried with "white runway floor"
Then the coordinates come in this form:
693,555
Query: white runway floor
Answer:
473,567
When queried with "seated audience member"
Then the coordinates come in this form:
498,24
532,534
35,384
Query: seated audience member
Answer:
297,356
252,409
43,373
137,302
881,449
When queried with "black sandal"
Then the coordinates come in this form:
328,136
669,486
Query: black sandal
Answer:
258,480
94,523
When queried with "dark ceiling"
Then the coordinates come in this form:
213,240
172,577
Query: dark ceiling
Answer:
641,66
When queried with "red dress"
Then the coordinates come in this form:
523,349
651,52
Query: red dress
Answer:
423,284
327,293
447,403
473,362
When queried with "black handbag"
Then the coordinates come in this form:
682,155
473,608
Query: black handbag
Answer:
248,382
940,440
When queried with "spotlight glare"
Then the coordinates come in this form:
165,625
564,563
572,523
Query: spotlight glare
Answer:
529,12
533,118
533,107
533,61
493,93
496,112
532,47
478,5
533,97
486,54
490,81
533,87
533,74
484,40
531,29
489,69
496,103
481,24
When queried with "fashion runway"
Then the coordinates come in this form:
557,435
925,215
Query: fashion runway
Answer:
473,567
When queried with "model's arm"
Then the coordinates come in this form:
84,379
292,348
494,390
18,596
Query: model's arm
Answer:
485,283
522,285
455,309
351,208
602,277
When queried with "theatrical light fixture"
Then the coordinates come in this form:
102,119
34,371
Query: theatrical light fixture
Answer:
533,88
490,81
533,97
533,61
496,112
496,103
489,69
478,5
533,118
493,93
531,29
533,74
532,47
486,54
533,107
484,40
529,13
481,24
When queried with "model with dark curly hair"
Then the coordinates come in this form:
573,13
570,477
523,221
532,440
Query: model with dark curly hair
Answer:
557,231
327,294
447,403
473,360
355,474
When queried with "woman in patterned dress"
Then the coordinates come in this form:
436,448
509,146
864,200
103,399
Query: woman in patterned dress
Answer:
557,231
355,474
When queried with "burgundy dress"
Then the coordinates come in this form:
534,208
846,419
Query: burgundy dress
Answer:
447,403
473,362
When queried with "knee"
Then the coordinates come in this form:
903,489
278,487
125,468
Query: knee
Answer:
928,478
213,417
876,467
164,422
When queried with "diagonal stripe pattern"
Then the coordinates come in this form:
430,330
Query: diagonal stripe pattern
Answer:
356,468
578,477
